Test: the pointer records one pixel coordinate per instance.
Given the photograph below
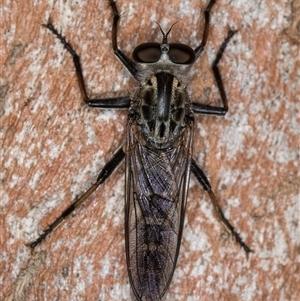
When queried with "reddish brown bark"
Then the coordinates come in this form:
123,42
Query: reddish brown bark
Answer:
53,147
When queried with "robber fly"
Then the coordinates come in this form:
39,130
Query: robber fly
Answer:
157,153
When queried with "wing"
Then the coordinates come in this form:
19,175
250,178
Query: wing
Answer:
156,193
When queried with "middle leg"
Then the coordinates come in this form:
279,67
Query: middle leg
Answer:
199,108
116,103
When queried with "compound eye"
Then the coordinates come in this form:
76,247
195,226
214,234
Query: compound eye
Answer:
147,53
181,54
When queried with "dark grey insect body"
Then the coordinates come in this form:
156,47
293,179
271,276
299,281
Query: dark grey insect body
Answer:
158,155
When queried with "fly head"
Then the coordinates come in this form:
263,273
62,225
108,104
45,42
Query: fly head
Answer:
162,105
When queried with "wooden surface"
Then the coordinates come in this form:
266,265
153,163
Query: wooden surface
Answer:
53,147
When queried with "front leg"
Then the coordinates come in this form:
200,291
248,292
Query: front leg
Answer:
126,61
